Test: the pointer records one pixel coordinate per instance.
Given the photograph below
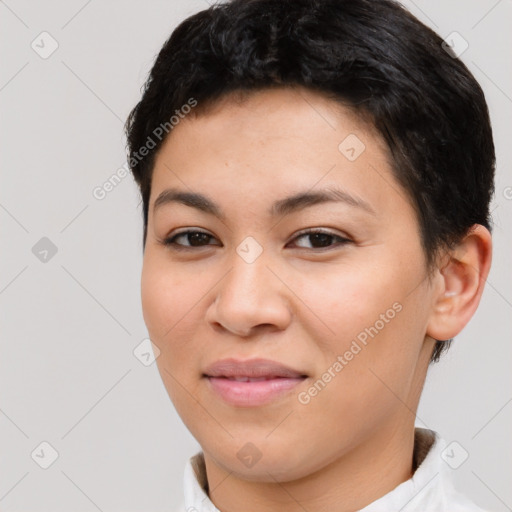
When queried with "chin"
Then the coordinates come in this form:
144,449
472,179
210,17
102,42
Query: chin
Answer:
263,461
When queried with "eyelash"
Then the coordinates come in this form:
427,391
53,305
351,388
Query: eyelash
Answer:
170,241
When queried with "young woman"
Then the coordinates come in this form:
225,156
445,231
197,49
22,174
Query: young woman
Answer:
316,178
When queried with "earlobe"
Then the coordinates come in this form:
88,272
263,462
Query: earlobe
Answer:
462,280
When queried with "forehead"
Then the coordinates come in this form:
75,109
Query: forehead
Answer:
281,105
276,140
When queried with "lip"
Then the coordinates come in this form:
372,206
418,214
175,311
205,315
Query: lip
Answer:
259,381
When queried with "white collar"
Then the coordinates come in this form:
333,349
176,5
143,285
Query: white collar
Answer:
430,489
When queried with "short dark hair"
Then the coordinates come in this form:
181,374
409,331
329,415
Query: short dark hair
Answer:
372,55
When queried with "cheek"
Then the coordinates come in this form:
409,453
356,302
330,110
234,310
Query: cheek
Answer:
366,389
163,296
172,311
168,314
369,318
343,303
164,310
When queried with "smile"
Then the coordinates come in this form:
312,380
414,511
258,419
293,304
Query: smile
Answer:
251,383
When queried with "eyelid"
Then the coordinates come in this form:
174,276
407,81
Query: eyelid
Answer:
343,239
181,231
325,231
168,240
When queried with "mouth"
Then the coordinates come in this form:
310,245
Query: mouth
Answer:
253,382
249,379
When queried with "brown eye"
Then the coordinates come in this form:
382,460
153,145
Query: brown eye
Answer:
192,239
321,239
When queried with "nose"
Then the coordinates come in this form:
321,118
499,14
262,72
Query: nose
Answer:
250,298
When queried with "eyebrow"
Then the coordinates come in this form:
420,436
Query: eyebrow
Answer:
281,207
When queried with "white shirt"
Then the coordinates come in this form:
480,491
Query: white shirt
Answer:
430,489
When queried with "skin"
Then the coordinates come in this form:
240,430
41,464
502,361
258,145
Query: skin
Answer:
298,303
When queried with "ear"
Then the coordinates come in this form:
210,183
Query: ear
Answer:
461,278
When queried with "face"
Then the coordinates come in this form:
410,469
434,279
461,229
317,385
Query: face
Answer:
321,301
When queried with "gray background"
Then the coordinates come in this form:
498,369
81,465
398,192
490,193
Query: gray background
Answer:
69,325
